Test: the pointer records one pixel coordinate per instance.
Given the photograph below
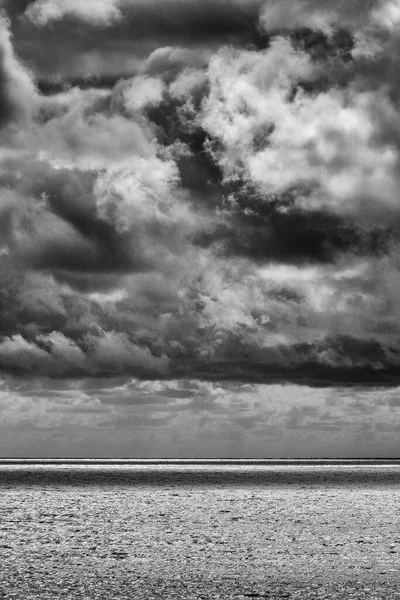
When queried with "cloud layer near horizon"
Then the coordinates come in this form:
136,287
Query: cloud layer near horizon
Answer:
203,190
115,417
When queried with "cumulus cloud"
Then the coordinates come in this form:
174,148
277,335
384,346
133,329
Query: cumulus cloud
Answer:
223,206
99,353
136,193
280,138
143,92
363,20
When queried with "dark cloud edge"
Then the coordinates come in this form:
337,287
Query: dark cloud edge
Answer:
312,375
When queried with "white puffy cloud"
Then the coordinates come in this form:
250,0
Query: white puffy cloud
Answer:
143,92
325,145
386,14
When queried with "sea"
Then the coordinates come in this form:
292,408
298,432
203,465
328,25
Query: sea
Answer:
190,529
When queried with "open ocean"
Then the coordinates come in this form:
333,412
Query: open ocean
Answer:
190,529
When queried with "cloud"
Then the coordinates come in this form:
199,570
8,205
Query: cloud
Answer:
151,15
223,209
101,12
139,192
113,39
18,96
227,420
170,61
322,150
314,14
143,92
199,227
99,353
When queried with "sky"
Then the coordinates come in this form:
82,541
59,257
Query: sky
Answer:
199,228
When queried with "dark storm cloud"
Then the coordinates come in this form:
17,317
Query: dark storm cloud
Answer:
263,233
185,196
117,36
159,19
309,373
93,244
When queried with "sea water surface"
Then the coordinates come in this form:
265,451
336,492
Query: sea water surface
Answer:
199,529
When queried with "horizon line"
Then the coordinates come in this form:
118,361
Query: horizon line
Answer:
156,458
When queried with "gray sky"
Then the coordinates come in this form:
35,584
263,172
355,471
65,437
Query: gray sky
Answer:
199,228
